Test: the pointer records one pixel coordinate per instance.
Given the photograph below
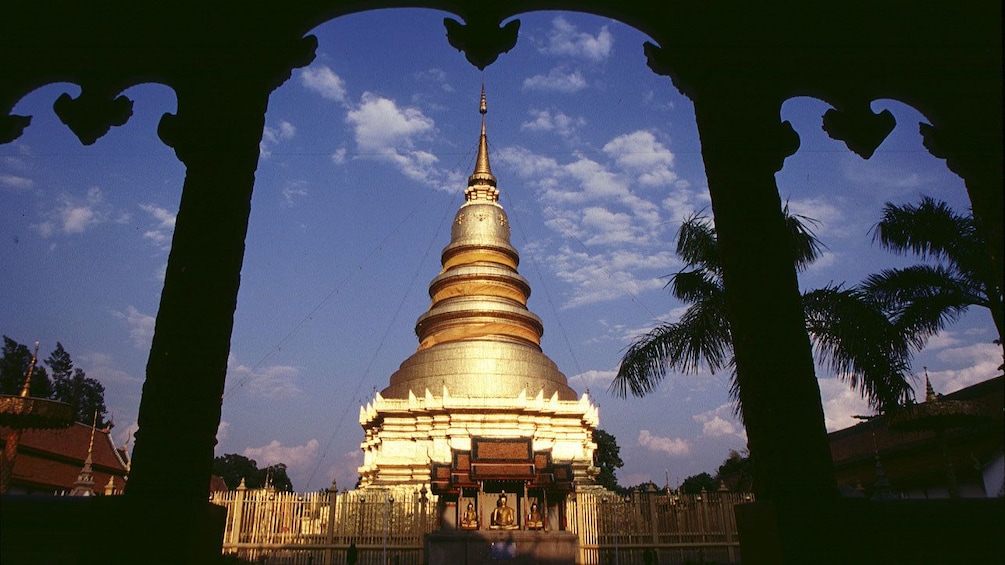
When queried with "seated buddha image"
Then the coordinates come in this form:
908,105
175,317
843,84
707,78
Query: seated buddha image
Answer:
534,520
503,517
469,520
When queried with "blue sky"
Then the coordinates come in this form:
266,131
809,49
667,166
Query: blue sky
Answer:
363,163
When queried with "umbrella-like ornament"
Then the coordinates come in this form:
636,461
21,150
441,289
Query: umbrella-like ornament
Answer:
22,412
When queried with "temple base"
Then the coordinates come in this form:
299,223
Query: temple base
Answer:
517,547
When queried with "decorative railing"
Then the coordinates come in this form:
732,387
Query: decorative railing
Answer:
389,526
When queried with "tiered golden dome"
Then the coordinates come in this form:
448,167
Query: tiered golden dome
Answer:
478,339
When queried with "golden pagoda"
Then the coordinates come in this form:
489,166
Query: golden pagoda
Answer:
479,408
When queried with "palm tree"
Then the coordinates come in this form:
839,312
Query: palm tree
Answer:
851,333
928,297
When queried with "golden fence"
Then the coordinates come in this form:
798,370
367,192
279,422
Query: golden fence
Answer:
388,526
658,526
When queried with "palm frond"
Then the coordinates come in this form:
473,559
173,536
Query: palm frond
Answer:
697,245
694,286
922,299
806,247
855,339
701,337
930,229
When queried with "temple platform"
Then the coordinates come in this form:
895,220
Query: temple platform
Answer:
516,547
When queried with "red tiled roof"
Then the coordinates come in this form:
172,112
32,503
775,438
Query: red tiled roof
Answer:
50,460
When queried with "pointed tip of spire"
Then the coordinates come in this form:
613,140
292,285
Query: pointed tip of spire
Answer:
482,183
930,395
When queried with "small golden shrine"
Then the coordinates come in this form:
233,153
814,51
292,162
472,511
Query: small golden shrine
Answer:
479,413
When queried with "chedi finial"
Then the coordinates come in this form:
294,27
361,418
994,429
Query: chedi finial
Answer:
482,183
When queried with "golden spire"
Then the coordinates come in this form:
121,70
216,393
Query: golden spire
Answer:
482,183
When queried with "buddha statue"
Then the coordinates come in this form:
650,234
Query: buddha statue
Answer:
469,520
503,517
534,520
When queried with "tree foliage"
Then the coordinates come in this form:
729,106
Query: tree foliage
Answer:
928,296
850,331
67,384
695,483
233,467
71,385
608,459
14,368
736,473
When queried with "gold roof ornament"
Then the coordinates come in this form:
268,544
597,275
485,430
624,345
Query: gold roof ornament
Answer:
478,338
482,183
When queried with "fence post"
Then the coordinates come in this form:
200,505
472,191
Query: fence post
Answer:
238,510
330,534
724,500
652,495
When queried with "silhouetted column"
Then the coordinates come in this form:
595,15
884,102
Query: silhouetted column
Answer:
973,149
744,145
216,133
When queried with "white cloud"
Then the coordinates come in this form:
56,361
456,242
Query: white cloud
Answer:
386,131
619,237
553,121
325,82
382,127
75,215
272,136
141,326
15,182
565,40
160,233
608,276
674,447
942,340
338,157
104,369
297,458
682,203
124,434
829,219
293,189
971,364
840,404
438,76
557,80
720,422
273,381
883,177
593,379
222,431
641,154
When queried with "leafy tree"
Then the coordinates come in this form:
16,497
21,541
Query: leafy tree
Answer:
694,483
736,472
872,355
69,384
233,467
931,296
72,386
607,457
14,368
276,476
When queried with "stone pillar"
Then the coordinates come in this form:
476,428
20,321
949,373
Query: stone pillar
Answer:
216,133
743,145
972,149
